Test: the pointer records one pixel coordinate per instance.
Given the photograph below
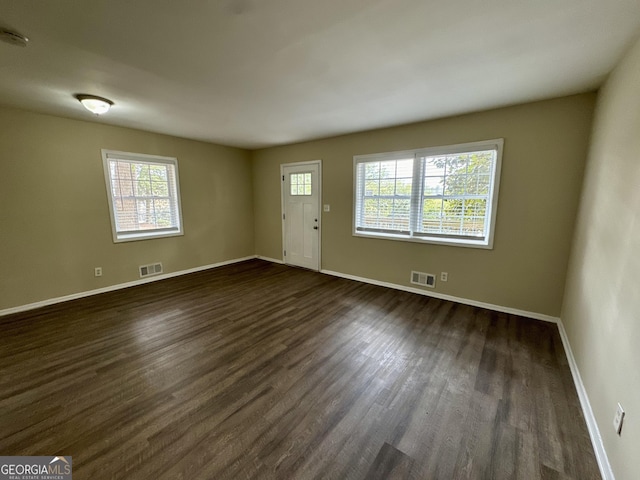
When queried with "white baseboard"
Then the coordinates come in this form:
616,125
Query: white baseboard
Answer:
592,425
111,288
451,298
269,259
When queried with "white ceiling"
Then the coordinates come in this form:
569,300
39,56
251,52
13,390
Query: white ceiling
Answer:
256,73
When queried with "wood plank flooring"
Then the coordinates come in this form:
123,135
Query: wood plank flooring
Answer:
258,370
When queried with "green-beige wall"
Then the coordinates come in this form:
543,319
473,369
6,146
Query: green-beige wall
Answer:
54,217
601,312
542,170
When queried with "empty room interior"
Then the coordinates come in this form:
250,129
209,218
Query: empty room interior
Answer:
363,239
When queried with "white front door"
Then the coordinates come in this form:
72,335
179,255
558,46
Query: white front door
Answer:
301,214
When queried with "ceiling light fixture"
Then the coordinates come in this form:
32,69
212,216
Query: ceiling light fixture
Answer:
13,38
94,104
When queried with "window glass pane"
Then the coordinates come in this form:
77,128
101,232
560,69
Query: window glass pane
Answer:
158,173
386,202
141,172
434,167
453,198
370,217
164,218
433,185
480,162
162,212
371,187
142,212
451,216
118,208
457,164
473,226
403,186
159,189
483,184
385,214
144,195
405,168
464,187
388,169
401,208
432,208
123,187
455,184
431,215
474,217
121,181
300,183
372,170
127,214
388,187
142,189
472,185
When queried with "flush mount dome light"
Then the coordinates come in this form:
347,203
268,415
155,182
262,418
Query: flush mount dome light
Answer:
94,104
13,38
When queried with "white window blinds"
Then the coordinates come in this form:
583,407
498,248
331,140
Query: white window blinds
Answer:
143,195
384,200
442,195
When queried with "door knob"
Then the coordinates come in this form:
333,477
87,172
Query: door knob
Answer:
315,227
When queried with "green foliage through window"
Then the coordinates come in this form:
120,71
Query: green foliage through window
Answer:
428,195
300,183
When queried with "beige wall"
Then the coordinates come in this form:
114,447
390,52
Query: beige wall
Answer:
54,218
601,311
56,227
544,155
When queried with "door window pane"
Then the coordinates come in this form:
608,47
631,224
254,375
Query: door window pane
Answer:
300,183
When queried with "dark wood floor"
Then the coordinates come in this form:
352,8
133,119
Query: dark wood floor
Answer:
257,370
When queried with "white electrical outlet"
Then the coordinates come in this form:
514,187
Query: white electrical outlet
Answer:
98,271
617,420
444,276
327,208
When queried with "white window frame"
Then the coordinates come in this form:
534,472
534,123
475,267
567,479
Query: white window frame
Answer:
143,234
417,194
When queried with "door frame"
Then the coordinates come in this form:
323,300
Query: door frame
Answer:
282,207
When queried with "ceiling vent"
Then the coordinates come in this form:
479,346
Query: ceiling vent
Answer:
13,38
424,279
152,269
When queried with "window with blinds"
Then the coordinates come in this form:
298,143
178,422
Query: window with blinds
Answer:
144,195
438,195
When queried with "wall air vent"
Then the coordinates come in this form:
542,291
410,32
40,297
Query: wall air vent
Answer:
152,269
424,279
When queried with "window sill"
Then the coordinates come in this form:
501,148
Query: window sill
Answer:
452,242
148,235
